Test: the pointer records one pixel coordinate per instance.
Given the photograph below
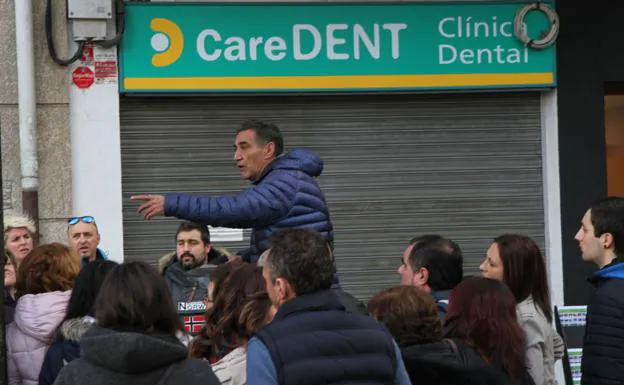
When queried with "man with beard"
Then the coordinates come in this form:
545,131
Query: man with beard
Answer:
186,270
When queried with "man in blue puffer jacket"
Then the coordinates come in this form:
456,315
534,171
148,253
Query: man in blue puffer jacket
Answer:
284,194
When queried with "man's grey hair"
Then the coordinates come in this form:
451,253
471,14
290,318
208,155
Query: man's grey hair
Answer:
302,258
263,258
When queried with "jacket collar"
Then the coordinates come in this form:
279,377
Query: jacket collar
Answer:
99,256
441,296
614,270
269,167
318,301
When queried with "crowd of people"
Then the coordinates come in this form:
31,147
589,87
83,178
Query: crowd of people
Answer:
276,313
279,320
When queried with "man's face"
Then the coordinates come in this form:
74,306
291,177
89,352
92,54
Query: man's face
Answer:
19,242
190,249
591,246
410,277
84,238
251,155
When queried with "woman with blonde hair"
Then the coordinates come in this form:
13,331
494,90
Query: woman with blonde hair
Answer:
43,287
19,235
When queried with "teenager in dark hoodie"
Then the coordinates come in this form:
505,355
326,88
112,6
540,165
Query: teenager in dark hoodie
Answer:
78,320
466,356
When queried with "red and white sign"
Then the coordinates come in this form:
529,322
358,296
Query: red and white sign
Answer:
105,72
87,54
83,77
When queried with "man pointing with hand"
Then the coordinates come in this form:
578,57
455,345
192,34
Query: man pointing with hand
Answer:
284,194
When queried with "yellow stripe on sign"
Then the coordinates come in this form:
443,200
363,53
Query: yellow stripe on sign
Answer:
337,82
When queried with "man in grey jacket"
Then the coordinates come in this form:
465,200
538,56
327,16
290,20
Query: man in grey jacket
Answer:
186,270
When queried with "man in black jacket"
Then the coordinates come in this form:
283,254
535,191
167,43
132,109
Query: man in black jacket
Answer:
434,264
601,239
312,338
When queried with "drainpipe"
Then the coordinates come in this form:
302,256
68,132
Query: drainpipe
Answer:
27,108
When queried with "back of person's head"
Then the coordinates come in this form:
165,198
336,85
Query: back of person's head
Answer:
241,305
263,257
409,313
482,312
300,262
218,275
47,268
607,217
524,270
134,297
265,133
442,258
86,288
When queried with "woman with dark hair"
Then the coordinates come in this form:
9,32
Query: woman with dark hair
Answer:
411,316
78,320
409,313
217,277
10,278
134,340
481,321
517,261
241,307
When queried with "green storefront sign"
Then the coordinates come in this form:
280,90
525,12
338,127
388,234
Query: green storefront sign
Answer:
208,47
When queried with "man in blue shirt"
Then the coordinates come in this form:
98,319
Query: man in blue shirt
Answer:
312,338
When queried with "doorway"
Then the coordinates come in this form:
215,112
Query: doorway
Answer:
614,137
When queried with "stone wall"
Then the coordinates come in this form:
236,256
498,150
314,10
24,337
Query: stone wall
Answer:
54,152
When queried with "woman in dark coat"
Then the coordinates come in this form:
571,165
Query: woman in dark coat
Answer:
134,341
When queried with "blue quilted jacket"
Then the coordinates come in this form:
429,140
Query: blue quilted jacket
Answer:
285,196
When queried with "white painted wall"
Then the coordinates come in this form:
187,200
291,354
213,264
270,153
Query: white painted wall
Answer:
96,158
552,203
552,194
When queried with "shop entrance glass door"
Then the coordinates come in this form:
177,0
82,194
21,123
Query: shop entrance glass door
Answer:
614,137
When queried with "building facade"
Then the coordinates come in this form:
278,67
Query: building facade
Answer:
470,161
51,121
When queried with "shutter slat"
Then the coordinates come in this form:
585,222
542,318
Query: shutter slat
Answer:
467,166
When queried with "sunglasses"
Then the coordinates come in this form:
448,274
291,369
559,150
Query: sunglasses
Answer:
86,219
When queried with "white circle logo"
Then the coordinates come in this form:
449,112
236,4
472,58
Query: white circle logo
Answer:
160,42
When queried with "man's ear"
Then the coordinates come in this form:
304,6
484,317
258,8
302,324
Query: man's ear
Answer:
423,277
269,150
607,241
283,290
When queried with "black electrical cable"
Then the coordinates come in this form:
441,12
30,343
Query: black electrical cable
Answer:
49,38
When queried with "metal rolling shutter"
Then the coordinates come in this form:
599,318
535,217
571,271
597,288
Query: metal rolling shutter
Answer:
467,166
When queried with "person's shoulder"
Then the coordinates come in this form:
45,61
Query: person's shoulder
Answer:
75,370
365,321
611,290
194,371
